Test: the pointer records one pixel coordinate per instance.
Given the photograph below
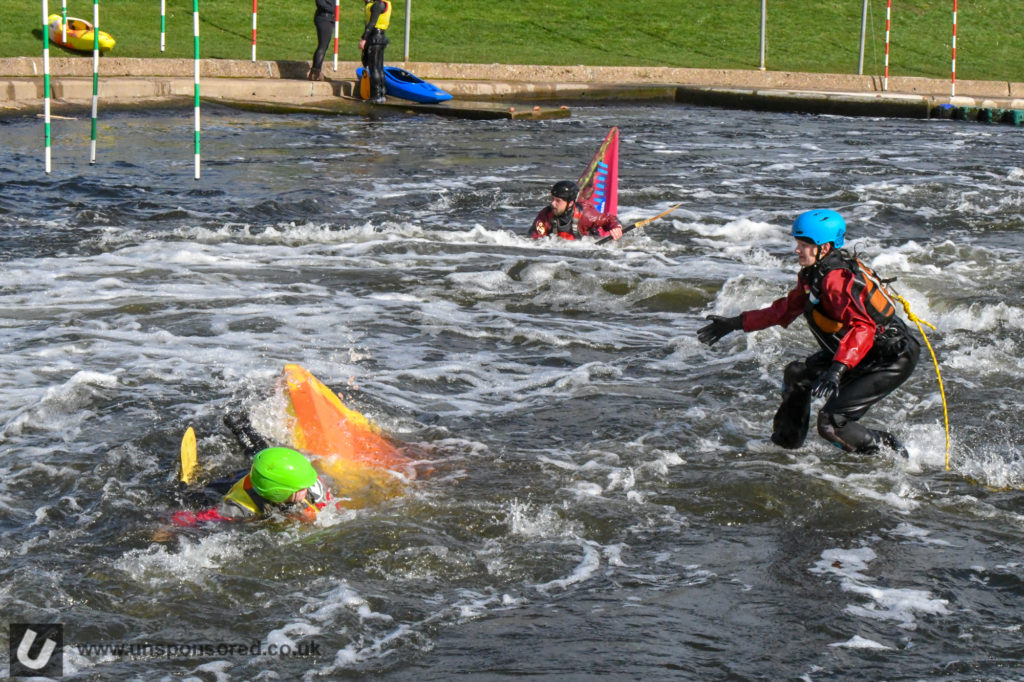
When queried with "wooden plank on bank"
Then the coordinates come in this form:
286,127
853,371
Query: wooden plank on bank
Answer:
350,106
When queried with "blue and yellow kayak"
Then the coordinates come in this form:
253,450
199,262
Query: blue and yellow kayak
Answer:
406,85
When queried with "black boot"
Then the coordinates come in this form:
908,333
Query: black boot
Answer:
887,440
789,428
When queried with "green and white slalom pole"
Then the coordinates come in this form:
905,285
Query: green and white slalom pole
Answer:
195,32
163,25
64,21
46,85
95,76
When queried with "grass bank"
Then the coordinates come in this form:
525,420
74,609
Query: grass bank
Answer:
810,35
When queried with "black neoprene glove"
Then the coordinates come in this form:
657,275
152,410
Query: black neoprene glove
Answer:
828,382
719,327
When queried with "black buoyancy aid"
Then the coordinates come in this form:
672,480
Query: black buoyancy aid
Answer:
868,290
567,225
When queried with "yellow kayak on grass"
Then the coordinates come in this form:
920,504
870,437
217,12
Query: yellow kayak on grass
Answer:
80,35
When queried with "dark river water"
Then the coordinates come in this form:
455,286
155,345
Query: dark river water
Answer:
604,500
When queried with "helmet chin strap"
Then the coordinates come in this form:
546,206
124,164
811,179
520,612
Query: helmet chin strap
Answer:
818,254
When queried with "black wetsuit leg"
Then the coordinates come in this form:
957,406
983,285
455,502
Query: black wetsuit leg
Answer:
373,62
251,441
324,24
877,375
789,428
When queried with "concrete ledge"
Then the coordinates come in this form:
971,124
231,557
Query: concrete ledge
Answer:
529,91
21,89
258,89
844,104
131,81
621,75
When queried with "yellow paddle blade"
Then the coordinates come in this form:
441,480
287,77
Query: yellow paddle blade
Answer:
188,456
664,213
364,85
640,223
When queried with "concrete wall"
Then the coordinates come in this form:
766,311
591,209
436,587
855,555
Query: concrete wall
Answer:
783,80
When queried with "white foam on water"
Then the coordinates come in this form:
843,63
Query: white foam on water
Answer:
884,485
900,605
858,642
62,407
221,671
922,535
538,521
194,561
587,567
743,231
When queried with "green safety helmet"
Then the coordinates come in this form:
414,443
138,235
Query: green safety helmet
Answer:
278,473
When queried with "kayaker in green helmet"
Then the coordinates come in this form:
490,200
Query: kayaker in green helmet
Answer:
281,480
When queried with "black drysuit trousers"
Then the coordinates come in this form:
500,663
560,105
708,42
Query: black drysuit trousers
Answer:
880,372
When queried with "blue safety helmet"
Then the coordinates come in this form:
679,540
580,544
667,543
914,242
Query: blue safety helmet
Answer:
820,226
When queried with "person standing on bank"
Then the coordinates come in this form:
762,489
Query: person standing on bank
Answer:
372,44
563,217
866,350
323,20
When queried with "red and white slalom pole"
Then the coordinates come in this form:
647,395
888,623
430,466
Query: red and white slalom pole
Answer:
888,23
952,87
254,30
337,18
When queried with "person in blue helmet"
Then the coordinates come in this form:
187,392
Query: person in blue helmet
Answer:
866,350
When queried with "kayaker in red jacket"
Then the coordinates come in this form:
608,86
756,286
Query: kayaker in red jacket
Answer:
867,352
564,218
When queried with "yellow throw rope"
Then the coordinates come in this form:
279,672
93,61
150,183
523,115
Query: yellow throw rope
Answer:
918,321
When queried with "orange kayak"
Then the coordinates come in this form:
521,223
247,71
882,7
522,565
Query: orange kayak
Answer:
346,446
